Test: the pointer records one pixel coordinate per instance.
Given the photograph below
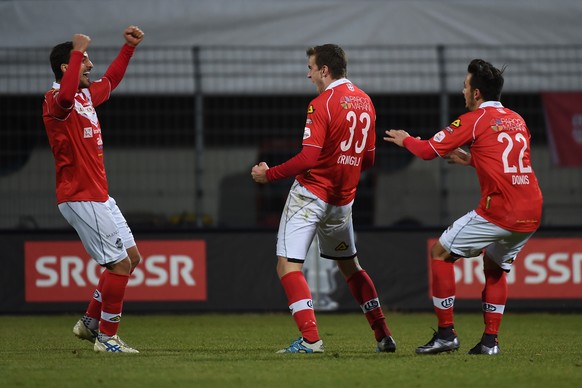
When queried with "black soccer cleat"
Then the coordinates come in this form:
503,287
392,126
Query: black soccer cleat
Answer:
439,345
387,345
482,349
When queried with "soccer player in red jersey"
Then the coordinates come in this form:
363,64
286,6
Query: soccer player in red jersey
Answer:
338,144
508,213
74,134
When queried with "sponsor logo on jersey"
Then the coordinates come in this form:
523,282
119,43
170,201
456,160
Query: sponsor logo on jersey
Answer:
308,122
350,87
310,110
306,133
345,102
342,246
439,137
496,125
449,130
88,132
456,123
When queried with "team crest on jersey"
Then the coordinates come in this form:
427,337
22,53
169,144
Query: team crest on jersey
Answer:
306,133
346,102
439,137
342,246
497,125
88,132
310,110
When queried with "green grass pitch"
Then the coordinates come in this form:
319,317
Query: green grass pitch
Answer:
238,350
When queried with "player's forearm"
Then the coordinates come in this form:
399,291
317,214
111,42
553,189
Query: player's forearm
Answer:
420,148
116,70
70,81
298,164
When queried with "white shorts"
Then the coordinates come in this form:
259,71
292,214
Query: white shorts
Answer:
101,227
303,216
470,234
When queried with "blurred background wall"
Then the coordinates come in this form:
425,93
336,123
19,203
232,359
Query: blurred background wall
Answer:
218,86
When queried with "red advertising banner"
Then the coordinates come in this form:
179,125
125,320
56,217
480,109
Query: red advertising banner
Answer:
546,268
62,271
563,113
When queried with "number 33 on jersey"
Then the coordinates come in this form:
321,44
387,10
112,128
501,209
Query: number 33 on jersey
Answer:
342,122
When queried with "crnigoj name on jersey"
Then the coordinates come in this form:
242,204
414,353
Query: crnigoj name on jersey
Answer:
349,160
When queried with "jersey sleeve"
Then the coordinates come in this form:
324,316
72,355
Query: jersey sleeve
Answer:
316,124
459,133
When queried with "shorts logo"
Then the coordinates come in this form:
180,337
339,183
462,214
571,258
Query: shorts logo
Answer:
88,132
439,137
119,243
487,307
311,109
448,302
509,261
342,246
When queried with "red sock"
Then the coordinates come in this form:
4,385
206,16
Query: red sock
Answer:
364,292
112,294
301,304
94,308
494,297
443,291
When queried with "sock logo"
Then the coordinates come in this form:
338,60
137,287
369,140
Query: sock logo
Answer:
370,305
448,302
489,307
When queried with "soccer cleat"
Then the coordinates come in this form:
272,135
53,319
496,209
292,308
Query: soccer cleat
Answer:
387,345
302,346
482,349
439,345
113,345
83,332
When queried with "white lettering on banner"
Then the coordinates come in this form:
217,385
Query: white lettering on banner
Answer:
568,268
471,271
160,270
52,277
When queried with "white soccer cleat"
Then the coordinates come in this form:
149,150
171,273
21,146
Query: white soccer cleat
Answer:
83,332
302,346
113,345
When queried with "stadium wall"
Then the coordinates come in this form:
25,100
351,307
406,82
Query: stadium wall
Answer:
234,271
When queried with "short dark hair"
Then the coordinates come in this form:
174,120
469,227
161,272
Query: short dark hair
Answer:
487,78
332,56
60,54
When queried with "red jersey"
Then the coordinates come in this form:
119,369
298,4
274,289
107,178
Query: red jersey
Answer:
499,141
74,132
341,121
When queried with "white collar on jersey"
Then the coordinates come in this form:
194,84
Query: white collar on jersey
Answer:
338,82
494,104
